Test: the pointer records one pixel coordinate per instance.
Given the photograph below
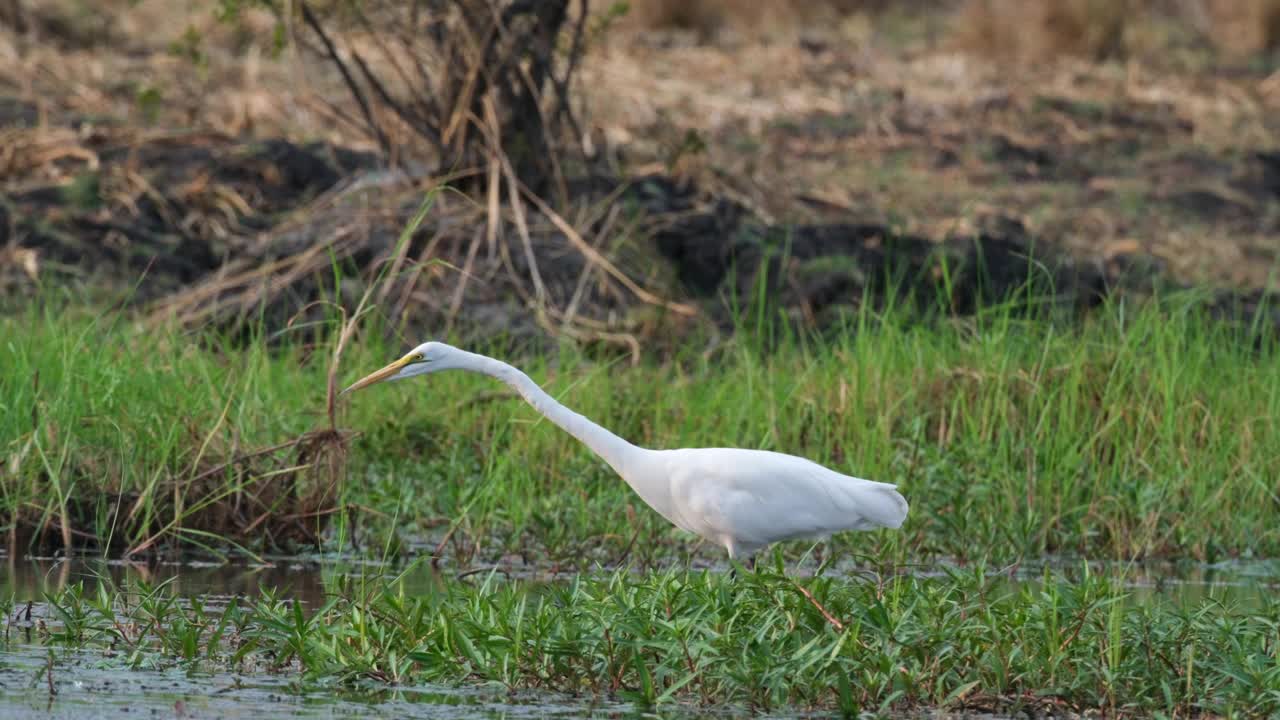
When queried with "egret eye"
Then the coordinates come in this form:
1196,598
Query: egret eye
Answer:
419,358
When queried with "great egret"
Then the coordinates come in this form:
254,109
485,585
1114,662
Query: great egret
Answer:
741,499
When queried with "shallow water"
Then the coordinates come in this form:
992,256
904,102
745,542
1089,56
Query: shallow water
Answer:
86,684
309,579
85,688
1246,582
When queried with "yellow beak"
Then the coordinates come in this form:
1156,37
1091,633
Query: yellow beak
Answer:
380,375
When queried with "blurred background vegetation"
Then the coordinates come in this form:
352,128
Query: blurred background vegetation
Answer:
623,173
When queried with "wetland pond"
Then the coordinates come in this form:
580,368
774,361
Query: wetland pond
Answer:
85,683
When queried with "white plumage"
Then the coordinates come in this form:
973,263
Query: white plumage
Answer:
743,500
748,499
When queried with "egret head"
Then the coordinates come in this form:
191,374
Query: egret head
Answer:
428,357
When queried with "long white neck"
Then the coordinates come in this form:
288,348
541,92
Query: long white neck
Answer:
615,451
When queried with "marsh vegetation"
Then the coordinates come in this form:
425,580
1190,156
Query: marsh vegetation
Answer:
1016,438
1038,301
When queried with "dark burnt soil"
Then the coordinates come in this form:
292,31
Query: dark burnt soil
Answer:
815,267
819,270
163,211
212,228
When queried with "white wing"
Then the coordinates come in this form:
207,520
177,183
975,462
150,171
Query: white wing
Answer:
754,497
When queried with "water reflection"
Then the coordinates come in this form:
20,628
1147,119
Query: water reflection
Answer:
82,688
1247,582
30,577
312,580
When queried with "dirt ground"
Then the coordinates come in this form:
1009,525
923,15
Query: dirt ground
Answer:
882,118
162,140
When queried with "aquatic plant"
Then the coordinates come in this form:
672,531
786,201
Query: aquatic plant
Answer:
964,640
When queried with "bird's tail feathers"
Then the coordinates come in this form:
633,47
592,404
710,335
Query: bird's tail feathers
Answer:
882,504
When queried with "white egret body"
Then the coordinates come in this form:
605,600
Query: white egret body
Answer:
741,499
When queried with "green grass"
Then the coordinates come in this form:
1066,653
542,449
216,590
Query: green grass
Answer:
890,643
1143,432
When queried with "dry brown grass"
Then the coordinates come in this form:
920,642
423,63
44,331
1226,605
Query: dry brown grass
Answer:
843,126
1243,27
1035,30
708,18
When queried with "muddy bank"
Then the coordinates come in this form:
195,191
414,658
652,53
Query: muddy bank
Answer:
209,228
